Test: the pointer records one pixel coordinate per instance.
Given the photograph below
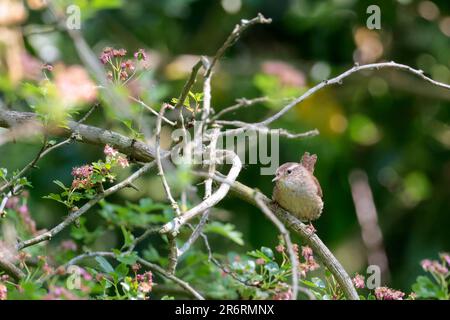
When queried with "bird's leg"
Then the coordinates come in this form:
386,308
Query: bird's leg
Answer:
310,227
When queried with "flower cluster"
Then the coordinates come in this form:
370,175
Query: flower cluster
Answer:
87,176
310,263
21,207
3,292
82,177
358,281
436,267
385,293
121,68
145,282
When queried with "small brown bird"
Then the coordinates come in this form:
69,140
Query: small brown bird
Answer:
297,190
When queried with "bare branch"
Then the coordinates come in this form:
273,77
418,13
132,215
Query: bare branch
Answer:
234,36
240,103
146,106
338,80
216,197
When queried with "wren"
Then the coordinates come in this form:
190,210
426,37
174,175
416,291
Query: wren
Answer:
297,190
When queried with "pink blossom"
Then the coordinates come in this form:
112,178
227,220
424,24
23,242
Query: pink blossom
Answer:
69,245
426,264
12,203
110,151
285,295
141,55
123,162
260,261
23,210
280,248
307,252
106,55
136,267
145,282
3,292
358,281
446,257
286,73
385,293
127,65
119,52
82,172
74,85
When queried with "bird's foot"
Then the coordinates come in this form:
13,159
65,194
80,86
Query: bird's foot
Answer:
311,228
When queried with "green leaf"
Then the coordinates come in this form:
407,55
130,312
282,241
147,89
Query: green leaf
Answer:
60,184
225,230
104,264
426,288
272,267
267,251
3,172
128,258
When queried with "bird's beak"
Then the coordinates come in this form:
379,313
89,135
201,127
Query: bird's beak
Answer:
275,179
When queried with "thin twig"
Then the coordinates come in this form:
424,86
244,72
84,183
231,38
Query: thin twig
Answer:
174,225
234,36
338,80
142,103
240,103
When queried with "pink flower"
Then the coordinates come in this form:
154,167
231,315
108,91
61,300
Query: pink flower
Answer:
12,203
434,266
446,257
286,73
123,75
82,172
74,85
280,248
426,264
3,292
307,252
127,65
47,67
123,162
141,55
385,293
358,281
136,267
106,55
260,261
145,282
110,151
285,295
69,245
119,52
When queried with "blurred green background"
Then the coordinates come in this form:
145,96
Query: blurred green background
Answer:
390,124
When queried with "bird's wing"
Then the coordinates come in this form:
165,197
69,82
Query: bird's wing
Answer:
319,189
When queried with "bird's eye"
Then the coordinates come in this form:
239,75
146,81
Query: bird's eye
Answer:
289,171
